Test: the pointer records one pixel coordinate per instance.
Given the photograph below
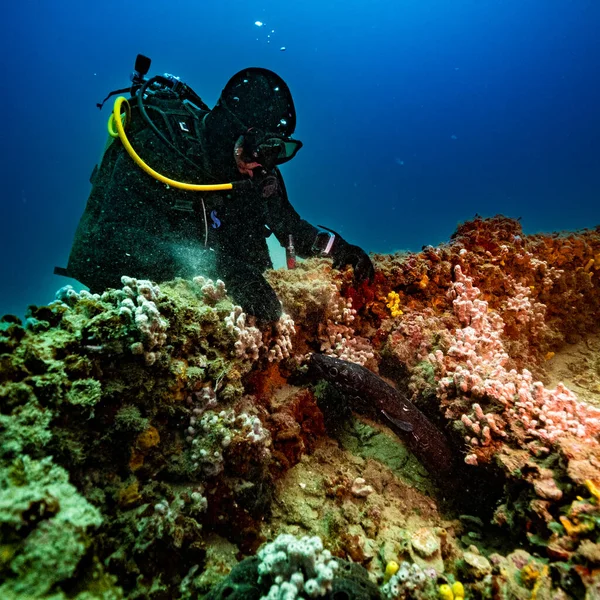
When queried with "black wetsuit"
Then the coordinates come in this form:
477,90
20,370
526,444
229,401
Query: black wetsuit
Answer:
137,226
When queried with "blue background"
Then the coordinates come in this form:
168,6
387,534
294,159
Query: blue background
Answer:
415,114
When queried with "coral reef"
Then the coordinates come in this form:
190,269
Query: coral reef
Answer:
156,443
293,567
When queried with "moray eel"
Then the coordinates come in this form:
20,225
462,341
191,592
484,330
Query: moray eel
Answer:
367,392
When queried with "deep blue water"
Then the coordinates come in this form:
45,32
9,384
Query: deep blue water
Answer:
415,114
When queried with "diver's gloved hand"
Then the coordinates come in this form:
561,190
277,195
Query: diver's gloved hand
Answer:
348,254
248,288
258,299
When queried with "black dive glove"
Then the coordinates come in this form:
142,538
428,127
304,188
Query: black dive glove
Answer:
257,298
344,254
248,288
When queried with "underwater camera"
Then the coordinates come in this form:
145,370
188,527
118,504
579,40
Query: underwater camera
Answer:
138,78
140,69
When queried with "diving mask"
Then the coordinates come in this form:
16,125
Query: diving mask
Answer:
267,150
275,150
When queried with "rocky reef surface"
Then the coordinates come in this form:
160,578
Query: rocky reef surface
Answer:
154,443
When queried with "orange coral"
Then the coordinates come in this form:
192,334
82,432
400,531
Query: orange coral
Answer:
145,441
148,439
129,495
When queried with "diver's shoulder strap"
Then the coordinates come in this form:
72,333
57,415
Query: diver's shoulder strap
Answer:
177,123
178,120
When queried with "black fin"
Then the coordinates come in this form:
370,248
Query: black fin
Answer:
403,425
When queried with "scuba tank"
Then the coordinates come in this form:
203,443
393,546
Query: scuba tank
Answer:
167,86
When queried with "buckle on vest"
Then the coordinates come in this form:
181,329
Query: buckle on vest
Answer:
183,205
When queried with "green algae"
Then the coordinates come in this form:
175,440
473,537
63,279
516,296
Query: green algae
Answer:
368,441
26,429
46,527
129,419
85,393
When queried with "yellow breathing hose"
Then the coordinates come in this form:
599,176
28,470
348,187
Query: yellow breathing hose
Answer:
116,120
111,125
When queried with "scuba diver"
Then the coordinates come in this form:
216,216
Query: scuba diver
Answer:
143,220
